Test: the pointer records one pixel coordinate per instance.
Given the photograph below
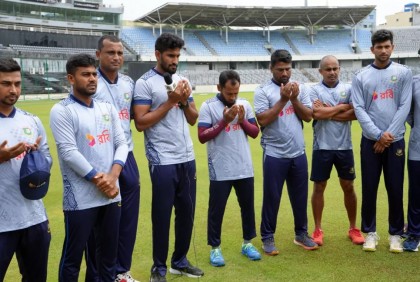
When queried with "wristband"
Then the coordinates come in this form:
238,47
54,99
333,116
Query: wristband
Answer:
182,106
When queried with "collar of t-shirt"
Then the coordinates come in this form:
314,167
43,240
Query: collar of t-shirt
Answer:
11,115
106,78
376,67
326,85
81,102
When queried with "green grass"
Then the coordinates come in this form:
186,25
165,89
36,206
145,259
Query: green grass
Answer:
337,260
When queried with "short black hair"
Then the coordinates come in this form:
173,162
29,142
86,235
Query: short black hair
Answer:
79,60
109,37
8,65
281,55
168,41
229,75
382,35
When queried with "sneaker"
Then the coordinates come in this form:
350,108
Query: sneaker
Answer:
305,241
125,277
189,271
250,252
318,236
216,257
371,242
356,236
395,244
269,247
411,244
156,277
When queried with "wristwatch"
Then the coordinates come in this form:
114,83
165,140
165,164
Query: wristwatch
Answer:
182,106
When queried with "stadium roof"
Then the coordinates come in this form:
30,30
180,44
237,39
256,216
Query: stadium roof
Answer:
252,16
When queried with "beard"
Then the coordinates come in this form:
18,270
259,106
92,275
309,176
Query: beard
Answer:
84,91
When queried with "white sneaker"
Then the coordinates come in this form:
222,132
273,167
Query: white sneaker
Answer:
371,242
395,244
125,277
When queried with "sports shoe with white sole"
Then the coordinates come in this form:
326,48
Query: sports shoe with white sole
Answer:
371,241
395,244
125,277
189,271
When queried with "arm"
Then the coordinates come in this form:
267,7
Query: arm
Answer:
270,115
107,182
191,113
250,128
63,132
341,112
370,130
8,153
404,106
303,112
345,116
207,133
325,112
246,120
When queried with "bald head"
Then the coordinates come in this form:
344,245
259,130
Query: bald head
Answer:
327,59
329,68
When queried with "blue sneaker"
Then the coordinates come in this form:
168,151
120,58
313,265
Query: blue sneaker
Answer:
269,247
250,251
305,242
411,244
216,257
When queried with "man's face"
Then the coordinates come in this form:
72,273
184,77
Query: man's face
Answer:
382,51
111,56
281,72
84,81
330,71
229,92
10,88
168,60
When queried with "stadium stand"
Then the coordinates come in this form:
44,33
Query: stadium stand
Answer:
326,41
51,50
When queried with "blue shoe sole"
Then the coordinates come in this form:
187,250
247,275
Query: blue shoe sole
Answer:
217,264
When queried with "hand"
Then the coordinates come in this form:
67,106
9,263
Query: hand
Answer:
107,184
7,154
294,91
229,114
176,96
386,139
241,113
317,104
34,146
285,91
186,92
344,107
378,148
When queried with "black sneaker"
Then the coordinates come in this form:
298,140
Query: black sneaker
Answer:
189,270
156,277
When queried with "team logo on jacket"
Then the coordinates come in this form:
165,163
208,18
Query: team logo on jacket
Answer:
27,131
394,78
105,117
127,96
399,152
343,94
91,140
375,95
